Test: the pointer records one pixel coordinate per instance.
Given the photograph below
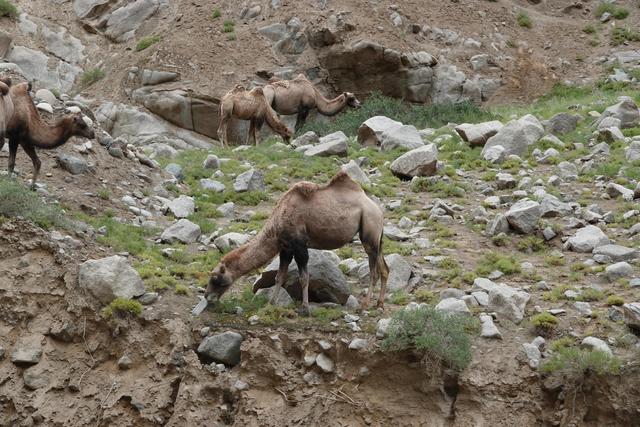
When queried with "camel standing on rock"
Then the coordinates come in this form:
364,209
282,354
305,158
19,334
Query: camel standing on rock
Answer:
27,129
309,216
249,105
6,107
299,96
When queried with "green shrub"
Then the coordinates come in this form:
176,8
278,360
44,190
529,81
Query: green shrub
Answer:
228,26
619,35
232,36
615,11
589,29
8,9
492,261
181,289
574,363
615,300
122,306
590,294
147,42
424,295
216,14
18,201
326,315
444,338
247,300
500,239
524,20
271,314
531,244
104,194
399,298
544,321
91,76
560,343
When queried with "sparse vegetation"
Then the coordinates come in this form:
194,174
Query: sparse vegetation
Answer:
91,76
18,201
399,298
574,363
531,244
228,26
614,10
8,9
591,294
181,289
589,29
147,42
444,338
524,20
425,295
615,300
216,14
544,322
494,261
326,315
619,35
122,306
270,314
104,194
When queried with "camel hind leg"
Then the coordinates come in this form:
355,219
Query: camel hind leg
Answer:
13,150
301,118
281,276
222,132
371,237
301,255
383,271
31,152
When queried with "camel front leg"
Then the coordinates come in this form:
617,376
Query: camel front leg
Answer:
31,152
13,150
281,275
373,275
301,118
301,254
251,133
222,132
383,270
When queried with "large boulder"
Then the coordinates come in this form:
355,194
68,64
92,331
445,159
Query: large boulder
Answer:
405,136
183,231
478,134
562,123
251,180
399,272
221,348
334,144
418,162
34,65
229,241
124,21
73,165
181,207
370,132
524,216
503,299
626,111
326,281
355,173
616,253
632,315
110,278
551,206
517,135
587,239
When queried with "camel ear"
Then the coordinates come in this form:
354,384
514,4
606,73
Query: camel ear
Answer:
221,269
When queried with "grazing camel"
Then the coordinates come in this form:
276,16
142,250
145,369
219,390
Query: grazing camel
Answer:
309,216
27,129
6,107
249,105
299,96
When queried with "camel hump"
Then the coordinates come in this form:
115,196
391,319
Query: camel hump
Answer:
301,77
305,189
257,91
342,178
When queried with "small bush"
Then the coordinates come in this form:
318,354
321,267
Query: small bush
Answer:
232,36
590,294
104,194
615,300
589,29
8,9
493,261
270,314
531,244
181,289
325,314
615,11
228,26
399,298
524,20
16,200
575,363
247,300
544,321
554,260
443,337
216,14
122,306
91,76
500,239
619,35
560,343
147,42
424,295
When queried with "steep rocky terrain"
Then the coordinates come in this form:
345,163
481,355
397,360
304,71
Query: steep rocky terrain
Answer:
511,227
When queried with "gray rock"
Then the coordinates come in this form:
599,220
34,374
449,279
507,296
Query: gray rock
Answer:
229,241
34,65
383,326
399,272
616,252
222,348
418,162
489,329
27,350
478,134
632,152
212,185
406,136
597,344
353,170
308,138
63,45
110,278
587,239
183,231
148,298
615,190
552,207
533,355
618,270
334,144
609,122
503,299
284,300
250,180
505,181
274,32
327,283
626,111
631,315
182,207
453,306
481,297
451,293
227,209
211,162
610,135
325,363
125,362
370,132
72,164
499,224
358,344
124,21
583,308
46,96
567,171
175,170
35,378
524,216
516,136
155,77
562,123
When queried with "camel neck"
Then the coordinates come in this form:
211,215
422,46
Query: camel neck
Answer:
43,136
330,107
255,254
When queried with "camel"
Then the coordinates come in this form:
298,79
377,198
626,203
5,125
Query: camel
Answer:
27,129
299,96
6,107
309,216
249,105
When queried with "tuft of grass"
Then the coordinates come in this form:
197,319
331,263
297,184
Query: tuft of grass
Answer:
560,343
232,36
326,315
228,26
589,29
574,363
91,76
8,9
181,289
615,11
524,20
399,298
104,194
557,293
531,244
247,300
492,261
18,201
442,337
590,294
438,188
544,322
147,42
554,260
270,314
216,14
424,295
619,35
615,300
500,239
122,306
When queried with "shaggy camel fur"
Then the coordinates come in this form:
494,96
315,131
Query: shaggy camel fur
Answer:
27,129
6,107
299,96
309,216
249,105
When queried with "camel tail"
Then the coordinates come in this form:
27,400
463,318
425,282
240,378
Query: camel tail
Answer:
274,123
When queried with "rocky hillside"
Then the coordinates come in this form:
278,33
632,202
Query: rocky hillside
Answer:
511,232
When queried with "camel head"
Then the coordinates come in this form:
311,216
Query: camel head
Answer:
79,127
352,101
219,282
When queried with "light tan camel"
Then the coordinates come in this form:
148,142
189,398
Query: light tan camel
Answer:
27,129
309,216
249,105
299,96
6,107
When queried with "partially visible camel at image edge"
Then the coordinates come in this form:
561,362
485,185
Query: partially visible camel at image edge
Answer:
299,96
309,216
249,105
27,129
6,107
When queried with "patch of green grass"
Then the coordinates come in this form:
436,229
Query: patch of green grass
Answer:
590,294
91,76
524,20
438,188
450,269
270,314
104,193
393,247
574,363
500,239
228,26
444,338
18,201
544,322
232,36
345,252
531,244
181,290
147,42
554,260
216,14
615,300
425,295
326,315
399,298
615,11
619,35
492,261
8,9
589,29
561,343
122,306
247,300
557,293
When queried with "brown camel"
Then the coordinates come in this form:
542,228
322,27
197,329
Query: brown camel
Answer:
249,105
27,129
299,96
309,216
6,107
